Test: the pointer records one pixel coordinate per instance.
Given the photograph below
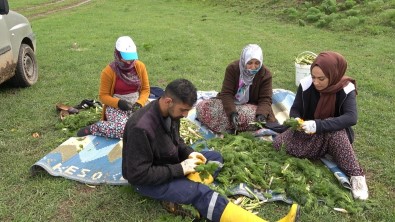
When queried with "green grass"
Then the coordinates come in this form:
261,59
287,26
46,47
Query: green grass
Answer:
362,16
191,39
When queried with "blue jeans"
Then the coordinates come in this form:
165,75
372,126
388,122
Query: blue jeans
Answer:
184,191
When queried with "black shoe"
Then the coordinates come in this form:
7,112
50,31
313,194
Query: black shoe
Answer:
86,103
84,131
181,210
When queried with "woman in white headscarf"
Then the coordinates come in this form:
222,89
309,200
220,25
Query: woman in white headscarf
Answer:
124,88
246,95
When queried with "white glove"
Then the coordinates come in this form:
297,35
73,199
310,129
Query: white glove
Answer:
309,126
198,156
188,165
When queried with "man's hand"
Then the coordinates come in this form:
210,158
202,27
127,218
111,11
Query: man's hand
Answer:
234,117
124,105
197,156
309,126
188,165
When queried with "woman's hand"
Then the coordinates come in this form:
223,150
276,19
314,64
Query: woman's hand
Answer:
136,107
234,117
309,126
260,118
125,105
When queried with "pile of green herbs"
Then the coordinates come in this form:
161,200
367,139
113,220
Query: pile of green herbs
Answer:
256,163
74,122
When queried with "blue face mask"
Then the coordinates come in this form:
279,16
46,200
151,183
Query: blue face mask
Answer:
253,71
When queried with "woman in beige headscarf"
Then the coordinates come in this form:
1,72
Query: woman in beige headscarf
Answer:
326,101
246,95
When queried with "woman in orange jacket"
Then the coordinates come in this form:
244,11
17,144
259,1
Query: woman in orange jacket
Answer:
124,88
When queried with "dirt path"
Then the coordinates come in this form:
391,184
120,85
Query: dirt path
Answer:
40,5
61,8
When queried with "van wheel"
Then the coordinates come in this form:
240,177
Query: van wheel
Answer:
26,73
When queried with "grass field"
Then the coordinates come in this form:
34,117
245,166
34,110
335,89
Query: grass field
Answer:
175,38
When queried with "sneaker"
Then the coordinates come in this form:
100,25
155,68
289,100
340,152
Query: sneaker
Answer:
359,188
180,210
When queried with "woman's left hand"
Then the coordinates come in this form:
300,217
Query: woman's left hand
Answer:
309,126
136,107
260,118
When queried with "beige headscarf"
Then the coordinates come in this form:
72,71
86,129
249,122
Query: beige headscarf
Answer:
251,51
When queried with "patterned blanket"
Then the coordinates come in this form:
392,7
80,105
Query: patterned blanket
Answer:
97,160
91,160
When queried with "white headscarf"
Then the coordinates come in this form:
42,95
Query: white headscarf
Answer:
251,51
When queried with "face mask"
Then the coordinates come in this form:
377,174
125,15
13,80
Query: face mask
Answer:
253,71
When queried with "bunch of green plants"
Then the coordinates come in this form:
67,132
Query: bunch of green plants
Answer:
205,170
189,131
256,163
294,124
84,118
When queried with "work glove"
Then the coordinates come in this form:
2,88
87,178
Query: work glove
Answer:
197,156
188,165
136,107
260,118
234,118
195,176
124,105
309,126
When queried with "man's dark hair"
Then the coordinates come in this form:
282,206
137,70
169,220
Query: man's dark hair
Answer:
182,90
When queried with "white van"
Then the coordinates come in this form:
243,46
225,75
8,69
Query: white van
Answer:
18,62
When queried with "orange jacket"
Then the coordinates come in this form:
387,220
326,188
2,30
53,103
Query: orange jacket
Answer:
107,85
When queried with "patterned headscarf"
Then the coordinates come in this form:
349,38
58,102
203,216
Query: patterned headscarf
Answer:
251,51
126,71
334,67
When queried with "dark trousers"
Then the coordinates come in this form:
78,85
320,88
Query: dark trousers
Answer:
184,191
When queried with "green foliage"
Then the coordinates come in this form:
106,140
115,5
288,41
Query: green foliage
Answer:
387,17
307,4
301,22
374,6
353,12
292,13
313,11
329,14
324,21
194,49
205,170
349,4
256,163
293,123
328,6
83,118
313,14
349,22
